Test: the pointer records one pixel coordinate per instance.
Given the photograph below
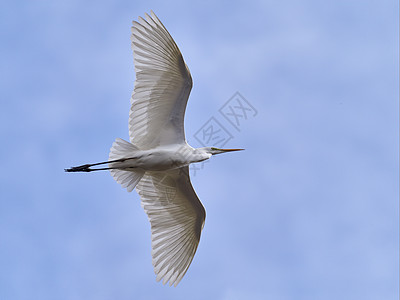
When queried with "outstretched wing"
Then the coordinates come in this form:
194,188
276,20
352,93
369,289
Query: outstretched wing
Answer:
162,86
177,218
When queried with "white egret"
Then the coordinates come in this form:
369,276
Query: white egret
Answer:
156,160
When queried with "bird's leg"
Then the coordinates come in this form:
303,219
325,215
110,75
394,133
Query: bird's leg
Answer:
87,167
83,168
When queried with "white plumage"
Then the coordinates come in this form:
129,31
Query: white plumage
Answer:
162,86
156,159
177,218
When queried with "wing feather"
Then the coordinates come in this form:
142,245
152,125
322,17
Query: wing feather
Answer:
176,216
162,86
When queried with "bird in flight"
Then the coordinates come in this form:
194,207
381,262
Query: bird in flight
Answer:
157,158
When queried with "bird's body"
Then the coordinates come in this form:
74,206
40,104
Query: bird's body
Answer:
156,159
162,158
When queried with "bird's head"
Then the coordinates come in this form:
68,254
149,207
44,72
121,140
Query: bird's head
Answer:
213,150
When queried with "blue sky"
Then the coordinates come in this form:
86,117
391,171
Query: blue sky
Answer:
309,211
